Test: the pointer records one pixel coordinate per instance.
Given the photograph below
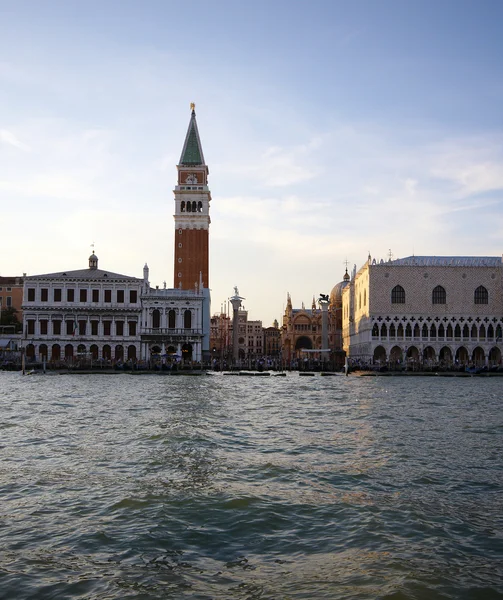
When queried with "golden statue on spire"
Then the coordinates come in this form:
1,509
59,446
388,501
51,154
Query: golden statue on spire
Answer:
192,106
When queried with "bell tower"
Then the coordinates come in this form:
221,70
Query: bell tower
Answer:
192,213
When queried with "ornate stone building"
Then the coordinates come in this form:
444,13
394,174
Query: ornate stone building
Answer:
105,316
302,329
425,310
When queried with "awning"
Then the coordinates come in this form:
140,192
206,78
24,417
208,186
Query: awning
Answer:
5,343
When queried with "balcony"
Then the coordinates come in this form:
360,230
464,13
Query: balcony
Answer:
166,334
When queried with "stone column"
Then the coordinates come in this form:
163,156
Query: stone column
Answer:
236,304
324,302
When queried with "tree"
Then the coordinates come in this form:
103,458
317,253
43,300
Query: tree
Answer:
8,316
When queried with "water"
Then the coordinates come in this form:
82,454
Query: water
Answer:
219,487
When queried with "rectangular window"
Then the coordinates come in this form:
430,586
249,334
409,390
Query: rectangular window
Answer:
31,294
96,295
44,295
94,327
69,327
82,327
56,327
107,327
120,296
108,296
83,295
57,295
8,301
132,327
43,327
31,326
119,327
133,296
70,295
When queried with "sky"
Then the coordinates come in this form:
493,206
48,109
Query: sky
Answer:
332,129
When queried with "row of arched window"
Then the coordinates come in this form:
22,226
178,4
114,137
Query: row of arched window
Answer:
191,206
439,295
156,319
434,332
81,352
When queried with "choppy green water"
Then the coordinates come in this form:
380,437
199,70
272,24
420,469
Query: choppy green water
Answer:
250,488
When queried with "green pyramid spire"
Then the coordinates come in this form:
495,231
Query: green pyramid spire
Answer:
192,153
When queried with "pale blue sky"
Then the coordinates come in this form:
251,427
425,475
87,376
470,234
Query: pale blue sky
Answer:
330,128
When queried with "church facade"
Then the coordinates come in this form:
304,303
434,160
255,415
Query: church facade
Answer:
100,315
302,330
425,310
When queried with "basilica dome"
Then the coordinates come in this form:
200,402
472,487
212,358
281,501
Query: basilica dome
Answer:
336,293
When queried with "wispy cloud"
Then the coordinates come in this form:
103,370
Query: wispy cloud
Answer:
7,137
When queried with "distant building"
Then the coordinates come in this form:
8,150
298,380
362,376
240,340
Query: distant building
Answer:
11,295
220,336
302,329
250,336
272,340
425,310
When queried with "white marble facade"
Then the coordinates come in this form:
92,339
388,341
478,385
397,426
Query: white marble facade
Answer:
107,317
425,310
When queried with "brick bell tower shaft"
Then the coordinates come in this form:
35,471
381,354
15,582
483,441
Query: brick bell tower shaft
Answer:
192,214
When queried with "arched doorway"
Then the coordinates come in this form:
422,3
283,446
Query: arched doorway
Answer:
412,357
494,356
303,343
171,319
156,319
479,357
94,352
445,356
81,350
43,351
131,352
56,352
30,352
68,352
106,352
187,352
187,319
429,355
380,355
119,353
396,355
462,356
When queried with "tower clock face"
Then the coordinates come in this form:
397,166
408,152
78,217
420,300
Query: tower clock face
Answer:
191,178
